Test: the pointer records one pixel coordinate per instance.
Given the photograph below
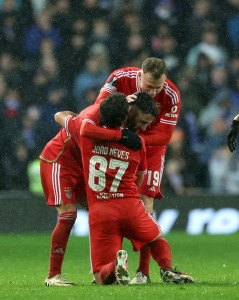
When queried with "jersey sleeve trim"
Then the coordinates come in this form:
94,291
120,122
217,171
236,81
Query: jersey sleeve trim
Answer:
141,172
164,121
66,125
89,121
58,155
171,93
108,88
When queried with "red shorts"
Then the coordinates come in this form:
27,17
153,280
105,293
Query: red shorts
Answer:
61,184
152,180
112,220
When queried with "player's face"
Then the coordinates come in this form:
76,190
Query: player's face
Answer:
150,85
138,120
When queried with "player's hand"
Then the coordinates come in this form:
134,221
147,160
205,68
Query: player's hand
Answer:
131,140
232,135
131,98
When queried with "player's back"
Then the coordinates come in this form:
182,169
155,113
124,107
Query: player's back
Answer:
62,149
110,170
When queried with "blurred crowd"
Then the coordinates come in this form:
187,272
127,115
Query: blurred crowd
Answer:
56,54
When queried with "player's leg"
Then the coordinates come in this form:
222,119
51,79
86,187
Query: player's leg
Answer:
108,261
142,273
66,219
59,192
147,231
148,191
161,253
115,272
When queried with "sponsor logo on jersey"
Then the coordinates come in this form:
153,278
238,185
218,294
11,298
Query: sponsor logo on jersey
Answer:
103,195
68,192
171,115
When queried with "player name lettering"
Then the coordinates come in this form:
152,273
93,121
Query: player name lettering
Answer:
101,150
111,151
119,153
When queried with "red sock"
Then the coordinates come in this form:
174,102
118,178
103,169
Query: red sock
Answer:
144,260
161,253
107,273
59,241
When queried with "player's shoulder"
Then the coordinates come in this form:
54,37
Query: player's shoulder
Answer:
90,110
143,143
126,72
169,85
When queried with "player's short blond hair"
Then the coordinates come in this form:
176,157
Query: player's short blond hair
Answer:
155,66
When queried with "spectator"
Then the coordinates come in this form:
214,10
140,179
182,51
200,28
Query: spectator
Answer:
208,45
92,76
224,171
15,168
46,127
76,44
36,33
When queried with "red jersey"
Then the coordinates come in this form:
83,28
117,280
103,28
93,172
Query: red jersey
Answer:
159,132
109,168
63,150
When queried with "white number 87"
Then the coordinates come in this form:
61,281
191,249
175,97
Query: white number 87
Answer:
97,177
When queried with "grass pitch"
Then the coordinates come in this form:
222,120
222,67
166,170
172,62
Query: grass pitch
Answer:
211,260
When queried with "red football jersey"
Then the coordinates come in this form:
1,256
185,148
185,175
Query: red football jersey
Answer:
109,168
64,147
63,150
159,132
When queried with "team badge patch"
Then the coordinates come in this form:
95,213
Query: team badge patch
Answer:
112,81
68,192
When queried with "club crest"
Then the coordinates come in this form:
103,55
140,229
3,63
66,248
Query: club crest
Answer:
68,192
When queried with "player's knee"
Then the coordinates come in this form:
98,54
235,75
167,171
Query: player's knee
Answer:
160,235
64,208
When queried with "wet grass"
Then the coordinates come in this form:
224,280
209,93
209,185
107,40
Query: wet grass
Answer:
211,260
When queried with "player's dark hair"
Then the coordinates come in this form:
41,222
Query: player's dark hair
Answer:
155,66
114,110
146,104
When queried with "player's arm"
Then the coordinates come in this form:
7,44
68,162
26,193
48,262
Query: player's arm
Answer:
123,136
102,95
139,179
108,88
89,129
142,168
161,134
232,135
60,117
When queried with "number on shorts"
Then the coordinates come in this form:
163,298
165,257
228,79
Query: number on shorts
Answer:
155,178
